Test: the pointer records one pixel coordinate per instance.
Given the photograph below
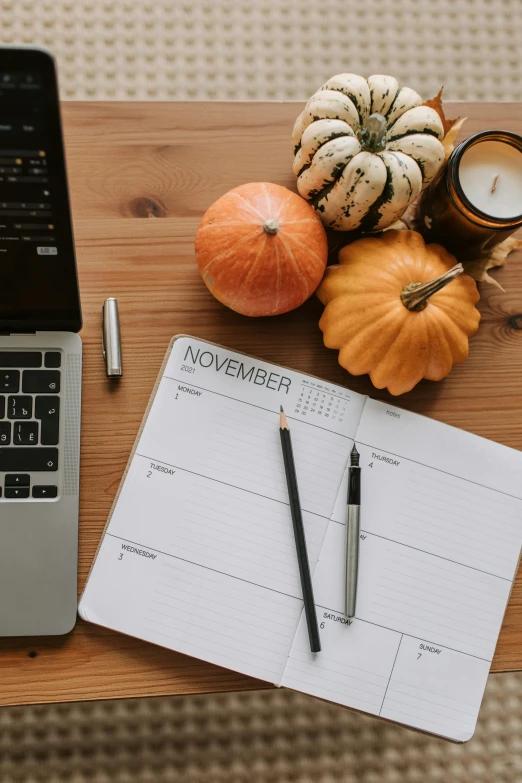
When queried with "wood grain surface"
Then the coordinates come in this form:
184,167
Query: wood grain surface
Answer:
141,176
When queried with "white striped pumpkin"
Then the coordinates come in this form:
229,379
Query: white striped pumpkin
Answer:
364,150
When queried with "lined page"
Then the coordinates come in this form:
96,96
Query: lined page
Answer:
243,447
199,554
353,667
418,593
438,555
435,689
450,517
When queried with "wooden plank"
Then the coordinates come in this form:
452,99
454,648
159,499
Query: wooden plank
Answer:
141,176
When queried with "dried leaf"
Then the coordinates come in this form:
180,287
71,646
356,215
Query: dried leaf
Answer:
494,257
450,138
436,103
451,127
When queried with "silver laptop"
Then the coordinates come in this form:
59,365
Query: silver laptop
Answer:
40,355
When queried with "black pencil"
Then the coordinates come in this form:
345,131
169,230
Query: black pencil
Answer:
300,540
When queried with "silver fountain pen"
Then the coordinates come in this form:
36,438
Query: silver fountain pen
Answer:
352,531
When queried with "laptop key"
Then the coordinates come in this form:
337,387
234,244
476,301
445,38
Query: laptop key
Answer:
20,359
20,459
53,359
5,433
16,493
45,491
41,381
2,406
19,407
25,433
47,409
17,480
9,380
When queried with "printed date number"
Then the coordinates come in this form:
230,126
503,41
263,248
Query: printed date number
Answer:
186,368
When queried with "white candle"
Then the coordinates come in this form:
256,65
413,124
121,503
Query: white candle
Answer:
490,175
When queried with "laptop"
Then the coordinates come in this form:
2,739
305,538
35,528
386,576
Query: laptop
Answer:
40,355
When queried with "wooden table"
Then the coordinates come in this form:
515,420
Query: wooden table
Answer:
141,176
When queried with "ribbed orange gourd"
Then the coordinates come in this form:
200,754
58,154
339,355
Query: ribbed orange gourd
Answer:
391,313
261,249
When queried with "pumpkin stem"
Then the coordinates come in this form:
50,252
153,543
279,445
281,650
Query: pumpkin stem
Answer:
372,134
415,296
271,226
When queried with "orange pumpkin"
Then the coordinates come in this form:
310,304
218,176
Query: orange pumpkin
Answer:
390,314
261,249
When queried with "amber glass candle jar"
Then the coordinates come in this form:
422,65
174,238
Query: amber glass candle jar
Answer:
475,201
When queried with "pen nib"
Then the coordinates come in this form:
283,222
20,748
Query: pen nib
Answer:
354,457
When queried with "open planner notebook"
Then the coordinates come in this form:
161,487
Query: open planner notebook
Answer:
199,556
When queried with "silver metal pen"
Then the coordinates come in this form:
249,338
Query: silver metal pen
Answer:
352,531
111,340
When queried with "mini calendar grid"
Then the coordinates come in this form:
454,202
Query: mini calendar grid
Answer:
318,399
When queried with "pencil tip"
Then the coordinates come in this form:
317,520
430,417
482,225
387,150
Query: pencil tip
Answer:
354,457
282,420
281,409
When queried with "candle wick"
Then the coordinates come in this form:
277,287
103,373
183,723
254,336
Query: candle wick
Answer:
494,186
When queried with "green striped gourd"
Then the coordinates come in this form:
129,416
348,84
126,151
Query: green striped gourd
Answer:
364,150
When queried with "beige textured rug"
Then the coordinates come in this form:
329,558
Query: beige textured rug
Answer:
259,737
269,49
264,49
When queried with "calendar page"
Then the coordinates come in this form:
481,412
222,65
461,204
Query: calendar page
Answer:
199,553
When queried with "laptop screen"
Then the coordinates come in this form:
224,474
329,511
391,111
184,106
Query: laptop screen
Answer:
38,280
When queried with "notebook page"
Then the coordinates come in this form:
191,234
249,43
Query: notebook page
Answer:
199,553
441,530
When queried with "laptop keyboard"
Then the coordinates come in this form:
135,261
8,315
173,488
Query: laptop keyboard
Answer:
29,422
